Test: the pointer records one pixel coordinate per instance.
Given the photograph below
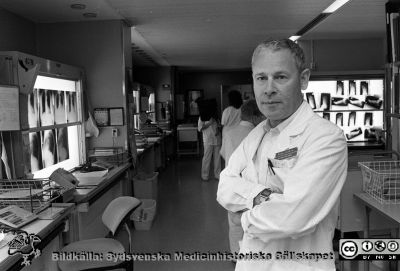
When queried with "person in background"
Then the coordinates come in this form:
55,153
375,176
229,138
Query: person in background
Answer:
287,174
250,117
231,114
209,125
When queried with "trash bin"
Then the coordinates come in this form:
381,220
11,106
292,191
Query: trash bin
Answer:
143,216
145,185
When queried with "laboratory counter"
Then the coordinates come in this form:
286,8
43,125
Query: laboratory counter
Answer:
48,227
154,155
89,193
80,220
91,200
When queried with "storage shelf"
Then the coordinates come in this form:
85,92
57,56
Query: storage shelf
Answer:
50,127
394,115
364,144
347,110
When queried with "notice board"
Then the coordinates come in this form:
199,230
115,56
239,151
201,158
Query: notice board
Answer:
9,108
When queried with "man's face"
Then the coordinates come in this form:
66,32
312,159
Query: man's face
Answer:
278,84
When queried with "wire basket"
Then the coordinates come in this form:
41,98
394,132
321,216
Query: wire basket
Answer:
113,155
381,180
31,195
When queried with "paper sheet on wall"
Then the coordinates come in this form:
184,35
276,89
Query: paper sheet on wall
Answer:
9,109
116,116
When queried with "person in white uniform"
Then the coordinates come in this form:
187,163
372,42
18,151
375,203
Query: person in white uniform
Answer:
212,146
250,117
231,114
287,174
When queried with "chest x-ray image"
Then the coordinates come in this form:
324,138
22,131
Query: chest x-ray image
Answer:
46,107
36,151
71,106
59,107
49,148
33,112
62,144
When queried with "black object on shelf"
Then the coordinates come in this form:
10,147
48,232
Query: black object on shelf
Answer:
354,133
339,88
352,119
368,118
340,101
374,101
364,88
356,102
370,134
311,100
352,87
339,119
325,101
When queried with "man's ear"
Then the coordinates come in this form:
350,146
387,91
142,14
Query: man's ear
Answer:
304,78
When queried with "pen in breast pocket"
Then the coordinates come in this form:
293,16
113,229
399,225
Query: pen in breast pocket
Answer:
271,167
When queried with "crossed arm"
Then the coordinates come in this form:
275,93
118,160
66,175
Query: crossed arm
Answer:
311,189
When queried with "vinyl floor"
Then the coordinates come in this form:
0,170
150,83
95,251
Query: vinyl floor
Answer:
189,221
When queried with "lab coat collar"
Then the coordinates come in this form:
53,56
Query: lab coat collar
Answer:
292,126
296,125
299,119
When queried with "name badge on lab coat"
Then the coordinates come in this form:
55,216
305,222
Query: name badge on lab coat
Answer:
285,159
287,163
286,154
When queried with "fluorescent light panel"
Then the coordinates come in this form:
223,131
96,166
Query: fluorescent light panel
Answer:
335,6
294,38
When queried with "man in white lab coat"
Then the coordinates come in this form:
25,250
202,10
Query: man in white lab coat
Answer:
287,174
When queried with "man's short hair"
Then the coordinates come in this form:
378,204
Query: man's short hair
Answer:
279,44
249,110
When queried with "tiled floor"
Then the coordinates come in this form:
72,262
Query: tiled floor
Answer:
188,220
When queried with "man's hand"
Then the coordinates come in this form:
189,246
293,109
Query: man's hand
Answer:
206,125
237,218
257,200
262,196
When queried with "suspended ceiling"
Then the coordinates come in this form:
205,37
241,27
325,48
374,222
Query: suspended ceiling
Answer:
211,34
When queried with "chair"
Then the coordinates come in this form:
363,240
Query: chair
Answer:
115,216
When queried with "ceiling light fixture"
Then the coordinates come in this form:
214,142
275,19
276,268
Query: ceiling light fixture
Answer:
328,11
294,38
78,6
335,6
89,15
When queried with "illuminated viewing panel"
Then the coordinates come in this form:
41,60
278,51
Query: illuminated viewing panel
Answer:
54,131
356,106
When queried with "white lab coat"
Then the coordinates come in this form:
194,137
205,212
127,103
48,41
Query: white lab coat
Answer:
230,117
212,146
302,213
233,136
